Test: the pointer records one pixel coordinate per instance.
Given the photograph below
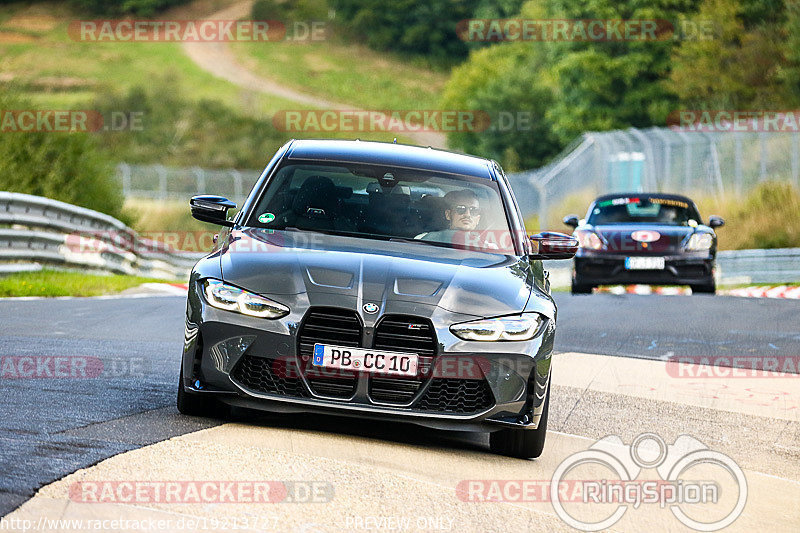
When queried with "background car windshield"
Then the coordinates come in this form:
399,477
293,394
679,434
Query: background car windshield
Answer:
644,210
384,202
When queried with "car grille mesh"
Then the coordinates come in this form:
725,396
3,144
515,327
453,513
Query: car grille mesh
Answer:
272,376
404,334
342,327
456,396
328,325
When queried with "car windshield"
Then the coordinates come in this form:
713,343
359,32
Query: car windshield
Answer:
646,210
382,202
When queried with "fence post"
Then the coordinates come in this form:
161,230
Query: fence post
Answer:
737,162
237,185
796,158
125,171
200,176
687,159
542,205
650,181
162,181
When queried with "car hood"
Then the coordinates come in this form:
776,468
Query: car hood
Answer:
619,237
275,262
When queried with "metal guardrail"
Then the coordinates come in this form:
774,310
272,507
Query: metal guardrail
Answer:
781,265
41,230
52,232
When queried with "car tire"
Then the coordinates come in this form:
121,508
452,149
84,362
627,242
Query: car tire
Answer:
522,443
708,288
578,288
193,404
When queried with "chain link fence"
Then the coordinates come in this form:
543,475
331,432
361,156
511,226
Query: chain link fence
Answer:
658,160
157,182
632,160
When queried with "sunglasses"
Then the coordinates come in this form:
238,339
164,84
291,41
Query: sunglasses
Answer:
462,209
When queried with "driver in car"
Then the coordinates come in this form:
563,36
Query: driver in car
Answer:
463,214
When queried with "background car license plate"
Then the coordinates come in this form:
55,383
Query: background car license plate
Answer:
644,263
365,360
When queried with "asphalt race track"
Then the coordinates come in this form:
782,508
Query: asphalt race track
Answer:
53,427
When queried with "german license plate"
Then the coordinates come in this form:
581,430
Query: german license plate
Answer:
364,360
644,263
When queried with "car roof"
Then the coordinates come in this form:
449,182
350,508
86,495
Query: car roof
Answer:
644,195
390,154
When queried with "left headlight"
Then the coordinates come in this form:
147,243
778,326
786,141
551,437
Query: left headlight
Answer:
699,242
508,328
224,296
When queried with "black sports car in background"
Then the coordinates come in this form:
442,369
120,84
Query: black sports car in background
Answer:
654,239
378,281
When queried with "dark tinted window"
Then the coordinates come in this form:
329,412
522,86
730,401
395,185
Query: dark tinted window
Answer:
381,202
645,210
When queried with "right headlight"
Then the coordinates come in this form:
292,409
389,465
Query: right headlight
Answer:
588,239
699,242
230,298
508,328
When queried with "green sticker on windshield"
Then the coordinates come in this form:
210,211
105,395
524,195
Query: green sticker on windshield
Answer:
266,218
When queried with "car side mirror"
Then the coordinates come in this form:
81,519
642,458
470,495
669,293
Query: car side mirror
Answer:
553,245
714,221
210,208
571,221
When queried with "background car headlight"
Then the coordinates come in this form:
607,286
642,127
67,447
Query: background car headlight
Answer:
699,242
588,239
230,298
510,328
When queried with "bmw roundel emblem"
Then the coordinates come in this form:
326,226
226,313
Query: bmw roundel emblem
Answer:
371,308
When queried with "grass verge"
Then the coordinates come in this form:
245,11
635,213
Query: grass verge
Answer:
66,283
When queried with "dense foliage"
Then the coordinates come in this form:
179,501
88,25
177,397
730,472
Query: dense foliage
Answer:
140,8
64,166
418,28
722,54
175,130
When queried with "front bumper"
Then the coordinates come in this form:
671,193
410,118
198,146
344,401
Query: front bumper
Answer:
471,386
609,269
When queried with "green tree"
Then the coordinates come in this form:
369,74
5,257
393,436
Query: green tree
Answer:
505,81
407,26
739,66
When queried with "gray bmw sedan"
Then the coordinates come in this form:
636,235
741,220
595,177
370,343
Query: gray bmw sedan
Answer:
376,280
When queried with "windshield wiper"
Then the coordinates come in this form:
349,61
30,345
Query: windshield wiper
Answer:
420,241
